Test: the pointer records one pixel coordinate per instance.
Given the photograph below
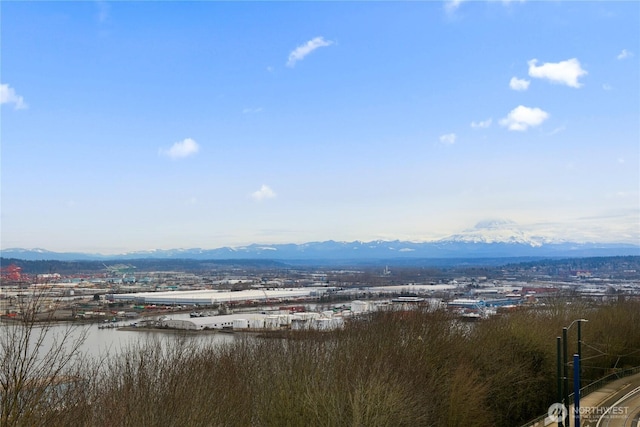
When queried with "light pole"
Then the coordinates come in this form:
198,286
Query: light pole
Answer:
580,345
576,392
565,364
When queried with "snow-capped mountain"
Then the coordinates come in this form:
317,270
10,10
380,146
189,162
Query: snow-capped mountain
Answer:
355,251
498,231
488,239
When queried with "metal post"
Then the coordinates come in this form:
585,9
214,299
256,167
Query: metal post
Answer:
565,370
580,338
580,350
576,389
558,352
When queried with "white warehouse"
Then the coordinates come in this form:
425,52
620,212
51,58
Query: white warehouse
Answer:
211,297
230,321
253,321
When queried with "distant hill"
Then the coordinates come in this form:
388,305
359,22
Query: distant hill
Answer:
355,251
486,240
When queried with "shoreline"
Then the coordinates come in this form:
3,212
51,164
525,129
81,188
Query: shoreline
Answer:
281,333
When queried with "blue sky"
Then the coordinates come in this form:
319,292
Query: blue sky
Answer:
142,125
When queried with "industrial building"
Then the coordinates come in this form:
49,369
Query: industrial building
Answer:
212,297
257,321
229,321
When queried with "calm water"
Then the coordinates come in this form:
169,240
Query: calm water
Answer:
103,342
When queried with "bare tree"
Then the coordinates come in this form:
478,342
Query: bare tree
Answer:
37,362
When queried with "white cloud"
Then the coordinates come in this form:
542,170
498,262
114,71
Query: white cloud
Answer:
449,138
452,5
265,192
185,148
9,96
482,124
521,118
301,51
607,86
624,54
252,110
519,84
563,72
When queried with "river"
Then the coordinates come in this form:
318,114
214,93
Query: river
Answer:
101,342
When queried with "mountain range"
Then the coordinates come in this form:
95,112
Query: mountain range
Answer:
492,239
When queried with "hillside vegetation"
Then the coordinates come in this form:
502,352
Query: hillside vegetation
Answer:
416,368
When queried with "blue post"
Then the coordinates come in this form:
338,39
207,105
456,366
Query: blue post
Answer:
559,358
576,390
565,370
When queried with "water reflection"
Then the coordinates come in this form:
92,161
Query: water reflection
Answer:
104,342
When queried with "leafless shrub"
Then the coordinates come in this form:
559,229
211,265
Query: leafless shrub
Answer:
393,368
39,370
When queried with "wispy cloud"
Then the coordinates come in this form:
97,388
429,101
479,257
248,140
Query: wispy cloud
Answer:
103,10
252,110
451,6
564,72
522,118
449,138
9,96
299,53
557,130
482,124
625,54
265,192
519,84
185,148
